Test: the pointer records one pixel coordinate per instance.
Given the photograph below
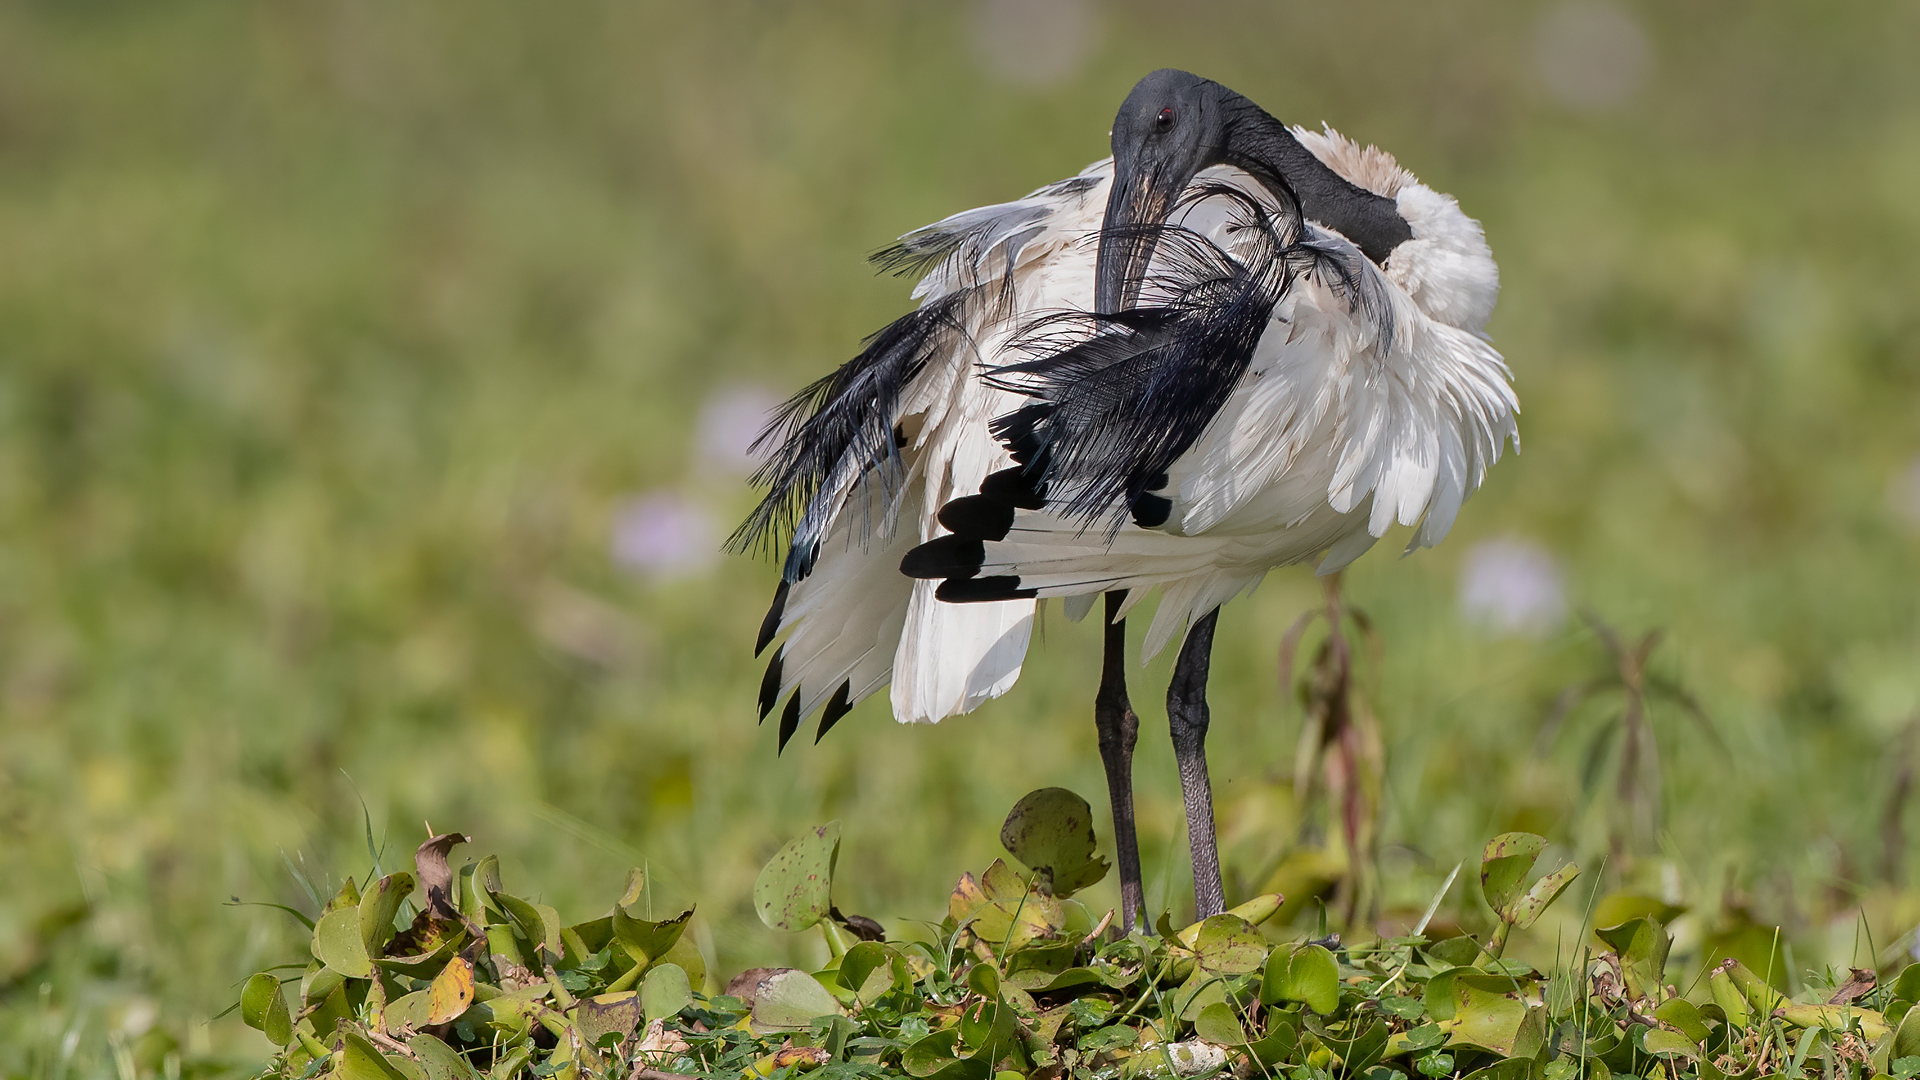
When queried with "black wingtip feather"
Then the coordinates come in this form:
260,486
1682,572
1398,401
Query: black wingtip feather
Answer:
770,683
945,557
1151,511
982,590
770,625
837,708
1023,489
789,720
978,517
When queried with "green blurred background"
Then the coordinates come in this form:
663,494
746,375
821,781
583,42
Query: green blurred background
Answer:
372,379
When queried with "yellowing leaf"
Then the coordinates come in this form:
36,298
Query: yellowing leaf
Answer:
451,992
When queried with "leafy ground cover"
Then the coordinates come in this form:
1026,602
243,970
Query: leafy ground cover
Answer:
445,975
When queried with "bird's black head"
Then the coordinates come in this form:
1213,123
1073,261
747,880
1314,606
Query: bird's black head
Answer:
1173,125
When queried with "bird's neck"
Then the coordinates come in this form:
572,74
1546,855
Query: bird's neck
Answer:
1266,148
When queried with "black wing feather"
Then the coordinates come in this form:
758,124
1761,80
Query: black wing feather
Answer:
1117,399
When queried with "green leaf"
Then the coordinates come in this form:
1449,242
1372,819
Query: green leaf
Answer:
538,923
872,968
337,943
1305,973
1438,996
410,1010
1051,832
1525,911
1218,1024
360,1061
931,1053
665,991
1662,1041
1642,947
794,890
1512,1069
1907,986
264,1008
439,1060
1229,945
1684,1015
608,1013
380,906
1504,866
1906,1038
790,1000
648,941
1491,1012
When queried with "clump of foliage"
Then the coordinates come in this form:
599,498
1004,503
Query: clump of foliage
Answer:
438,975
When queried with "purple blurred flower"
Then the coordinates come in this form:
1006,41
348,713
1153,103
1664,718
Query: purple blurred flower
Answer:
663,535
730,420
1512,586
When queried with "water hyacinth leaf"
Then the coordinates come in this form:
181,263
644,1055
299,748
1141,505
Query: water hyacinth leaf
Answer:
931,1053
1907,986
337,943
1685,1016
794,890
1642,947
664,991
1526,910
1504,865
439,1060
1906,1038
451,992
361,1061
1305,973
990,1028
538,923
1051,832
967,898
410,1011
790,1001
1662,1041
1218,1024
264,1008
1438,996
1490,1012
348,896
647,941
597,1017
1512,1069
870,969
379,908
1199,991
686,956
1454,951
1361,1044
1278,1045
1229,945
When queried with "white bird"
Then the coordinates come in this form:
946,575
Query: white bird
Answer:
1233,346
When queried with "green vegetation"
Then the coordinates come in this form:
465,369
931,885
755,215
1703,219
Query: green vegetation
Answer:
335,336
1019,979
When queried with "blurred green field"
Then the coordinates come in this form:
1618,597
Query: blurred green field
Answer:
336,338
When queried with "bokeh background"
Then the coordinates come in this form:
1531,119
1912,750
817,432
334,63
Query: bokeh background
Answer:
375,380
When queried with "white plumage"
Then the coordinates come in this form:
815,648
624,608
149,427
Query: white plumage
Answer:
1349,418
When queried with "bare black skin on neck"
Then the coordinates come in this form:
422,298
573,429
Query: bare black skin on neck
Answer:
1175,124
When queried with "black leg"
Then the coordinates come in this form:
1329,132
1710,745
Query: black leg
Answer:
1119,729
1187,718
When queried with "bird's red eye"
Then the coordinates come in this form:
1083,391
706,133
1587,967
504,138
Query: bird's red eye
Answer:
1164,120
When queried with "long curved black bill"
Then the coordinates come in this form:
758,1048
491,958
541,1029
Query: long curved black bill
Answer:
1137,205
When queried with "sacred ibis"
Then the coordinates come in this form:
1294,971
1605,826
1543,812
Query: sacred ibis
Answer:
1232,346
